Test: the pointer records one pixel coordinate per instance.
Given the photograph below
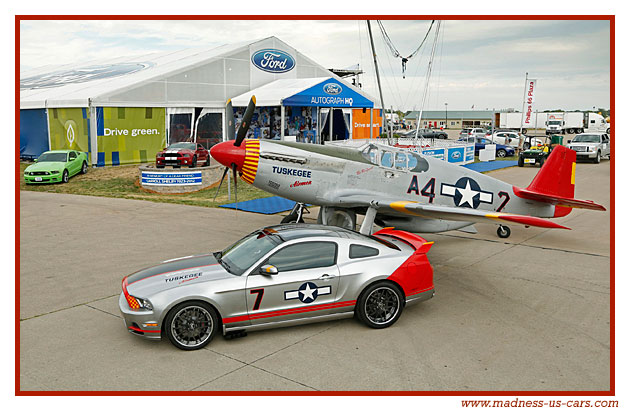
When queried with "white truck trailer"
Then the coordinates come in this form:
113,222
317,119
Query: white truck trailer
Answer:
512,121
576,122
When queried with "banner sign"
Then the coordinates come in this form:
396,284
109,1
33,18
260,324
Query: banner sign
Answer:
436,152
456,155
529,103
361,123
190,178
328,93
128,135
470,153
69,129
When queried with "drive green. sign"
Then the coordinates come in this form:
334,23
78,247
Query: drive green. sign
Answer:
129,135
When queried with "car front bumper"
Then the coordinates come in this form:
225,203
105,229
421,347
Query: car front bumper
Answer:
52,178
586,154
141,323
180,161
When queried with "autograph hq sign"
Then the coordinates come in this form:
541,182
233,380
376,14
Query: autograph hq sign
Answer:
273,61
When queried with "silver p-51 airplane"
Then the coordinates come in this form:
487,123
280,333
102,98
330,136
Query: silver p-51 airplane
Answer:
396,188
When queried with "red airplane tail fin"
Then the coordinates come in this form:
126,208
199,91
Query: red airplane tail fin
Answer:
555,184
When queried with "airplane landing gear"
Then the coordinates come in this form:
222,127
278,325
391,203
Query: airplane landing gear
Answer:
504,231
295,216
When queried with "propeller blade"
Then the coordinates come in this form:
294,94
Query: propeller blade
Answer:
235,186
220,182
244,126
229,116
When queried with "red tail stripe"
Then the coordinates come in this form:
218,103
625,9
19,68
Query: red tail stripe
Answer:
289,311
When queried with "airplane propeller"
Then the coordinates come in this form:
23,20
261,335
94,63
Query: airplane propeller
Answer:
240,136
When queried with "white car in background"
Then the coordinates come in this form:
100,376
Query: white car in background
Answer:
508,138
591,146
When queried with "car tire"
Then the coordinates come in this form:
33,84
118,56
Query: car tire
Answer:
191,325
521,163
526,146
598,158
501,153
65,177
380,305
207,161
608,131
194,162
542,161
84,168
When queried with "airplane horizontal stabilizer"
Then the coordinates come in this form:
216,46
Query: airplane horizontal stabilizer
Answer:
466,214
558,200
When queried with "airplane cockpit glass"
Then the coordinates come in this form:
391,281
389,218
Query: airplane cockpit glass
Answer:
370,153
387,159
401,161
412,161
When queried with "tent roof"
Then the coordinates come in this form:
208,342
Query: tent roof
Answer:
276,92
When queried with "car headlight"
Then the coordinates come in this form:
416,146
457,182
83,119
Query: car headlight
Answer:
144,303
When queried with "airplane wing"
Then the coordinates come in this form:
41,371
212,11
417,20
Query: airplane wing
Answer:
431,211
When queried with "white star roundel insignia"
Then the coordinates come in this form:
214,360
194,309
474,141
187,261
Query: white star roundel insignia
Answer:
307,292
466,193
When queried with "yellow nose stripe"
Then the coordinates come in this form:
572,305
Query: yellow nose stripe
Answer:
252,153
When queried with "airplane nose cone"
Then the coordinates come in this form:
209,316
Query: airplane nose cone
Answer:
227,154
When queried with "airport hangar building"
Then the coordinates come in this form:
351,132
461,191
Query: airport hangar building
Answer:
124,111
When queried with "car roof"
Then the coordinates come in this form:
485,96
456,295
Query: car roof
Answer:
296,231
58,151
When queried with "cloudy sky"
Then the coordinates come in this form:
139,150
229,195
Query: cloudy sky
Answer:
480,63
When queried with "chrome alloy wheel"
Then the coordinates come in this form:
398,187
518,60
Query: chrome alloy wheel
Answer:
382,305
192,326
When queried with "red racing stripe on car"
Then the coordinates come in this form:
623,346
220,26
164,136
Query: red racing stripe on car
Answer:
143,331
289,311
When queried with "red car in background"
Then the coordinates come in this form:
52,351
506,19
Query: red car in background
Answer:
182,154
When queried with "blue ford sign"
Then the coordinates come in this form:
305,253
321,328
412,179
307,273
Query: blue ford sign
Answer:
273,61
332,88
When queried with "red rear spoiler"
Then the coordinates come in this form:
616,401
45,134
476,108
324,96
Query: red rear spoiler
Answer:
419,244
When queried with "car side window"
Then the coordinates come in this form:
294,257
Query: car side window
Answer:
362,251
303,256
73,155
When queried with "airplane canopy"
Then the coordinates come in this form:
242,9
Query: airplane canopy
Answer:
315,92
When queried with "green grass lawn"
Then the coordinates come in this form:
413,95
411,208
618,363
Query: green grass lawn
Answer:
122,182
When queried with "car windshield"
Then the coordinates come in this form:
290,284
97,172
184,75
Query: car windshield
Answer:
53,157
190,146
554,123
241,255
586,138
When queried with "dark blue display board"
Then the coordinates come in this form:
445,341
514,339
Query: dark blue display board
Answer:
33,132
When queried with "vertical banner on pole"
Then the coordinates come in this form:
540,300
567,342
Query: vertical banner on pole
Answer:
529,102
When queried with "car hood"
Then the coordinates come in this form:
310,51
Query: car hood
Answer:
175,273
178,150
580,143
45,166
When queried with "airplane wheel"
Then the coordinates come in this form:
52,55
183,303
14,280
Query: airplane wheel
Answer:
504,231
292,218
337,217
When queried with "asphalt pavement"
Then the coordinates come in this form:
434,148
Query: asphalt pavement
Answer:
527,313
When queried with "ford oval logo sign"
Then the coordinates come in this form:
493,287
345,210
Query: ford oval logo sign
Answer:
455,155
273,61
332,88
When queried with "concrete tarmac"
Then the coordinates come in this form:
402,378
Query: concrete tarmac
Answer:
527,313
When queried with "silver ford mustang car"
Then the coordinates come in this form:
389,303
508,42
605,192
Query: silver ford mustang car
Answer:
279,276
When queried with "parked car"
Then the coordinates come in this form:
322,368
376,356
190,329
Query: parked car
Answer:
480,144
508,138
279,275
426,133
592,146
478,132
182,154
465,132
56,166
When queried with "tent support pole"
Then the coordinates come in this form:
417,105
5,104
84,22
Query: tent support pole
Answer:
330,124
281,122
371,123
93,132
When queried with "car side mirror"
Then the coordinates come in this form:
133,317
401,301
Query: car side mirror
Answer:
568,141
268,269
